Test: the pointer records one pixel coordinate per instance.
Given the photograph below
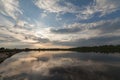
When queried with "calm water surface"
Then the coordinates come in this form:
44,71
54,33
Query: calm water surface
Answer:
59,65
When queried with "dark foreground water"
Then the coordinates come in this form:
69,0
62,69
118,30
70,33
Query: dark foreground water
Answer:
61,66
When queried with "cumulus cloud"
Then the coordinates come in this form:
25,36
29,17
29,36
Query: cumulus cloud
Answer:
10,8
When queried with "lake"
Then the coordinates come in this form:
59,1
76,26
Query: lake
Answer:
61,65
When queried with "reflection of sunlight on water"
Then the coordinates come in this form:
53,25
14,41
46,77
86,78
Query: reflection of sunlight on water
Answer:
41,62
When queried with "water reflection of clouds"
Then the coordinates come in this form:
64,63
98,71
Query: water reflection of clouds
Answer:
99,57
35,64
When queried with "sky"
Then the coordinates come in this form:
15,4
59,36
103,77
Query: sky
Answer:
59,23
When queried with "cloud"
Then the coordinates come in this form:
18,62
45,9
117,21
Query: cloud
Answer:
43,31
66,30
43,15
108,27
103,40
105,26
76,34
37,39
7,38
107,6
73,28
4,21
10,31
10,8
17,37
23,32
96,33
103,7
55,6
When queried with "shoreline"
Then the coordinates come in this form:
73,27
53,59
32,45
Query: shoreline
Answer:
5,55
106,49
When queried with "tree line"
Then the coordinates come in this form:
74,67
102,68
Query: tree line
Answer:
103,48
